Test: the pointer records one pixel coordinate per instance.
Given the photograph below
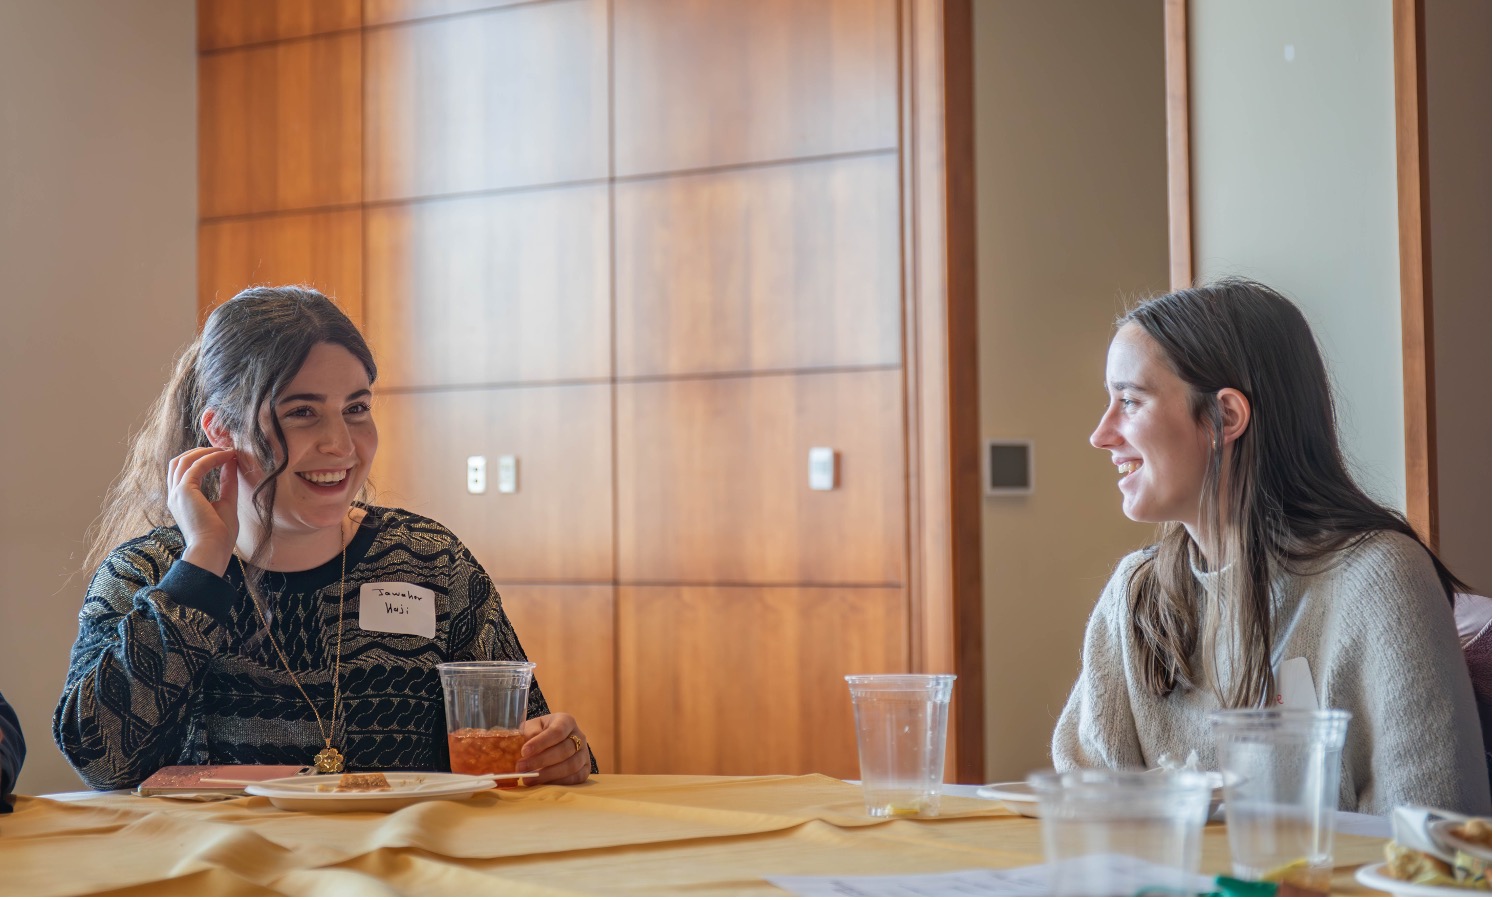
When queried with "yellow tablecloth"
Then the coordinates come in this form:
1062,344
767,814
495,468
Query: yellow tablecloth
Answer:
617,834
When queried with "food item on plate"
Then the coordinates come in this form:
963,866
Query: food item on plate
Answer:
1466,871
366,781
484,751
1476,831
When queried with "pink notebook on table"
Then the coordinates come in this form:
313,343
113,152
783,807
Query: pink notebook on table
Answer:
212,779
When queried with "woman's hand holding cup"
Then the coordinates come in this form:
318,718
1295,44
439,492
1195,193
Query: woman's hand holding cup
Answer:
210,528
555,748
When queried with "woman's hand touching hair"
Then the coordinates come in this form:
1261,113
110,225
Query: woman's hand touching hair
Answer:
210,528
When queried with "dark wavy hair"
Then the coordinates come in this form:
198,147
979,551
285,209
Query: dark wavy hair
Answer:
250,348
1288,501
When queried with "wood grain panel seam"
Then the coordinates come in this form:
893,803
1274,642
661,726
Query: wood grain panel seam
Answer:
613,385
273,42
759,373
327,209
534,188
461,14
545,582
404,390
759,164
914,360
826,585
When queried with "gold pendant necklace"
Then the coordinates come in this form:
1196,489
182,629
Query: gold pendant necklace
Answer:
328,760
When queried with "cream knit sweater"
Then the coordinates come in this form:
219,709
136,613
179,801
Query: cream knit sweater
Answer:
1380,641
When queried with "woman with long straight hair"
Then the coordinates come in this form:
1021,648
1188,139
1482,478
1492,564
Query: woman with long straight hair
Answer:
1275,580
224,622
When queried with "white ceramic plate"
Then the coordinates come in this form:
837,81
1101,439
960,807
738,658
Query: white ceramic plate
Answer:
1015,795
1374,877
316,793
1443,833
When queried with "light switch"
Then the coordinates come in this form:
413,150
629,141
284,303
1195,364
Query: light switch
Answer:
822,468
508,474
477,475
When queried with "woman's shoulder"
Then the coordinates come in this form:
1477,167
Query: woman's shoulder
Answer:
1128,565
157,548
1385,553
394,525
1114,596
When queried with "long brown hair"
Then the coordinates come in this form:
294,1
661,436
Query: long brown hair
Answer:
250,348
1288,501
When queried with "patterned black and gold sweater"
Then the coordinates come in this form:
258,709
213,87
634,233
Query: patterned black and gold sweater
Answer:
172,667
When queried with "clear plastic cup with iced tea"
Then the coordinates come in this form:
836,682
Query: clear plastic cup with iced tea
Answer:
486,708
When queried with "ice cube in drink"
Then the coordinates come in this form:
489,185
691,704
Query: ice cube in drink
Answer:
483,751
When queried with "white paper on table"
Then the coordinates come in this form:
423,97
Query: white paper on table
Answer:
1028,881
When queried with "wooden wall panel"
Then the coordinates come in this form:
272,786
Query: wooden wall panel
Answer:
324,250
703,83
765,268
567,631
506,98
712,480
380,12
559,525
229,23
279,127
748,681
491,289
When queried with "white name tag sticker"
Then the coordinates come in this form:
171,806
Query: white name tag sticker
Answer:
396,607
1296,685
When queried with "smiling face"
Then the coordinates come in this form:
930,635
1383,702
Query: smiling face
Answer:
1159,450
325,415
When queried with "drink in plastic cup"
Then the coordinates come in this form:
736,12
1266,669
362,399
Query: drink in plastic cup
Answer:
1112,833
1282,770
901,741
486,706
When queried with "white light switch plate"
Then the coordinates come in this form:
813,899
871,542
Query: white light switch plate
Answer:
508,474
822,468
477,475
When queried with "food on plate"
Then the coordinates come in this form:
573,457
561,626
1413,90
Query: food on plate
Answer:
363,781
1465,871
1476,831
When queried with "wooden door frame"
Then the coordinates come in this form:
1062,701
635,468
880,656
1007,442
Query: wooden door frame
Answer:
938,169
1410,90
1410,93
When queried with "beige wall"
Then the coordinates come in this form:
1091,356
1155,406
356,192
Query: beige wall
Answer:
1458,41
1295,184
97,220
1071,226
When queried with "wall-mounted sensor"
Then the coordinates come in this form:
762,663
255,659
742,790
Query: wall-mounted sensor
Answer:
1009,467
822,468
508,474
477,476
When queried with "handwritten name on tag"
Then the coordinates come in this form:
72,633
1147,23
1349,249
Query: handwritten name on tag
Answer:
1296,685
396,607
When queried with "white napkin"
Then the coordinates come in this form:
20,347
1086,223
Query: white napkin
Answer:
1410,829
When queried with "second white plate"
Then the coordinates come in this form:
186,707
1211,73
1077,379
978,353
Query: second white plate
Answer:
1374,877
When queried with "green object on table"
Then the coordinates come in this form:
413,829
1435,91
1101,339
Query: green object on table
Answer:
1226,886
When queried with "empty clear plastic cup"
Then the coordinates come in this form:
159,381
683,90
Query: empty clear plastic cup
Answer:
1282,770
901,741
486,706
1112,833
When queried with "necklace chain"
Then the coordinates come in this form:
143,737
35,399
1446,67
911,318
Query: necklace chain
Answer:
329,759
